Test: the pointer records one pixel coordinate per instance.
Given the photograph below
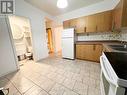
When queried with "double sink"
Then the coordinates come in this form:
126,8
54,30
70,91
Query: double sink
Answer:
122,48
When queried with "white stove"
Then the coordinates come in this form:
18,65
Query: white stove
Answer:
112,83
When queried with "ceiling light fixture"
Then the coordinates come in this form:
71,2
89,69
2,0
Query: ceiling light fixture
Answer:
62,3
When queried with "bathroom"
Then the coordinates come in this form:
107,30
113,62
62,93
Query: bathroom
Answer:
21,33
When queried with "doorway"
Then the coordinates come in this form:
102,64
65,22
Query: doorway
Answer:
22,38
50,40
53,34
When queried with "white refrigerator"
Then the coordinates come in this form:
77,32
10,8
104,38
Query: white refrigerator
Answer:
68,43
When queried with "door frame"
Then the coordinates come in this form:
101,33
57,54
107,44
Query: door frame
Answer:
51,39
12,42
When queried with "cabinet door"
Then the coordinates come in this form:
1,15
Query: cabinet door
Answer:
117,16
91,25
89,52
79,50
120,15
73,23
97,52
81,25
66,24
85,52
104,21
124,13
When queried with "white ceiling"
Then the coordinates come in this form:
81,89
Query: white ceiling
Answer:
50,7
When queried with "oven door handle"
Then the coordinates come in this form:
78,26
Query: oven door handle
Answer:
105,72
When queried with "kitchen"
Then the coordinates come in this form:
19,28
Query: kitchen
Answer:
95,41
112,80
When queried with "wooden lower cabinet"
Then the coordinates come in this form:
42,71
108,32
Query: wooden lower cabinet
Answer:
89,52
98,52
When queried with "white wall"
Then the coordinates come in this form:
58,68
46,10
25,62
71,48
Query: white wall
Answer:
8,61
57,32
37,19
92,9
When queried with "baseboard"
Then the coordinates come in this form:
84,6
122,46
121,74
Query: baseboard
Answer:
8,73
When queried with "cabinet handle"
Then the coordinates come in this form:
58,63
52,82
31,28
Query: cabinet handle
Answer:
75,28
113,26
94,47
96,28
84,29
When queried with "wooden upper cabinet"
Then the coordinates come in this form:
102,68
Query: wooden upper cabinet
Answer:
120,15
73,23
117,16
81,25
104,21
101,22
66,24
91,23
124,14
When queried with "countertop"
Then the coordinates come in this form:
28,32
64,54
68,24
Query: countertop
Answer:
106,44
110,49
98,42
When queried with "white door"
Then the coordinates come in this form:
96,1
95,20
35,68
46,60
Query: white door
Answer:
68,48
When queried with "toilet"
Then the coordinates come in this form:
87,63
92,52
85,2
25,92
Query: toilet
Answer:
20,50
29,54
23,52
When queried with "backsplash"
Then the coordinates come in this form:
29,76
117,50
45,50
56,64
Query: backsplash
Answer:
124,35
100,36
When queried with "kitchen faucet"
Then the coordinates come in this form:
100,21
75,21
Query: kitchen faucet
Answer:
124,43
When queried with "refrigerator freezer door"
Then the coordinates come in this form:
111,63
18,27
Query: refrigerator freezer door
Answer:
68,48
68,33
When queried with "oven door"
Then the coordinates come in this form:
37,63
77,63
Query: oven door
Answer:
108,86
104,85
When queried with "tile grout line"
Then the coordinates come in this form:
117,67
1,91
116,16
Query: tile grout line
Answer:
61,67
14,86
37,85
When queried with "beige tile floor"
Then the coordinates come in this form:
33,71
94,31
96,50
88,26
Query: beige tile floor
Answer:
54,76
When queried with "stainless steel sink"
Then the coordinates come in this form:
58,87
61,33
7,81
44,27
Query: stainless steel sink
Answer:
119,47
